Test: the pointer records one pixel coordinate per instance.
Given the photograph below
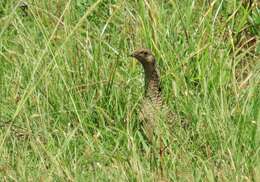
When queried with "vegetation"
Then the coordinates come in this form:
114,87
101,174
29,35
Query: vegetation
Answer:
70,95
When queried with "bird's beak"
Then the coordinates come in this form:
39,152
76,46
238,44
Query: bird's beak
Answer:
133,55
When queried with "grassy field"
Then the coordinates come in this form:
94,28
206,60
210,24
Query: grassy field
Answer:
70,95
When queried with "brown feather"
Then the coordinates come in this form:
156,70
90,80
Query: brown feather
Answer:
152,108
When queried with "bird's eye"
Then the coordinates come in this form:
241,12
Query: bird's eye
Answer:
145,53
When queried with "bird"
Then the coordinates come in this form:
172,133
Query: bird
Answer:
153,108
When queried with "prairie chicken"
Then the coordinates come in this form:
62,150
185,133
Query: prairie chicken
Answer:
152,108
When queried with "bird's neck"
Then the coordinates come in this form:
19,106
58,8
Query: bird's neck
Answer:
152,83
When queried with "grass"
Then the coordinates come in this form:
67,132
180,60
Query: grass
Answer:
70,94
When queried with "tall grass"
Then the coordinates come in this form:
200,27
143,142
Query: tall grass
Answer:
70,94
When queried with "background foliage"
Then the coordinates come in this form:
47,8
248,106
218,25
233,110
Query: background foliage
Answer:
70,94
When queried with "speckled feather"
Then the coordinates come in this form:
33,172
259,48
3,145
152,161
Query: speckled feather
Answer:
152,109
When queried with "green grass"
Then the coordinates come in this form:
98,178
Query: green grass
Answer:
70,95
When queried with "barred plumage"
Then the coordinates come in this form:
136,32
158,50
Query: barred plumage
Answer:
152,108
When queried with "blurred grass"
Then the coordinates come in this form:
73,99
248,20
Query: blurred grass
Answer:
70,94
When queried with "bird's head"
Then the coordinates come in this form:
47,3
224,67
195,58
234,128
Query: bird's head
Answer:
144,56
